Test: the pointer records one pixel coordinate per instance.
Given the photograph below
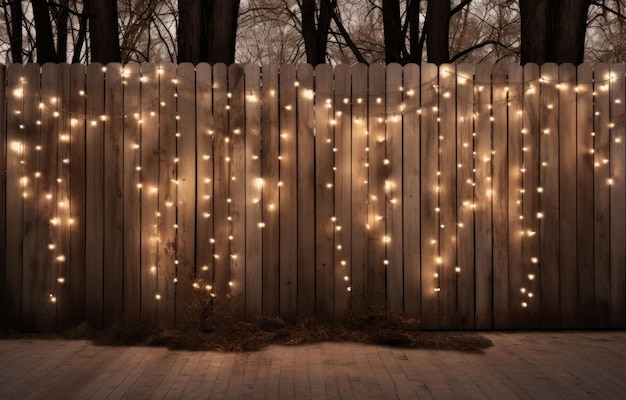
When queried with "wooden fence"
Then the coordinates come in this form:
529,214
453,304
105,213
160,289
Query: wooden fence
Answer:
486,197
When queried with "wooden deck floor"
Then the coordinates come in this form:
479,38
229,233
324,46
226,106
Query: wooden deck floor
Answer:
538,365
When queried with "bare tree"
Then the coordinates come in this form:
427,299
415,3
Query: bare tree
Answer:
43,27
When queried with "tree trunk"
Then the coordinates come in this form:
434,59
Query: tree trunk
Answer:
553,31
15,31
43,30
104,31
437,28
222,31
61,17
392,27
190,30
415,44
569,34
316,38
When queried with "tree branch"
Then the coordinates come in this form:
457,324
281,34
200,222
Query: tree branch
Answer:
475,47
347,38
608,9
459,7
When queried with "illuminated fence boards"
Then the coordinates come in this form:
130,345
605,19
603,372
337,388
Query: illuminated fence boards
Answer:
486,197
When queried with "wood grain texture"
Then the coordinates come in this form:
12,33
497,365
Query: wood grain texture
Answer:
548,193
483,197
584,195
324,201
430,198
465,194
567,201
411,198
305,138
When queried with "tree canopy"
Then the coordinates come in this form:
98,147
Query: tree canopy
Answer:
313,31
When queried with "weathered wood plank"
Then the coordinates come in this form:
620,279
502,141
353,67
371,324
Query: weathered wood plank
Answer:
393,188
358,280
548,193
342,168
448,197
465,195
530,198
114,238
483,195
76,276
3,157
148,186
14,200
131,200
601,190
186,137
204,245
288,191
94,196
618,197
518,313
306,191
40,145
167,252
221,181
254,192
584,195
500,195
567,202
270,172
324,201
63,195
411,193
376,201
431,285
237,189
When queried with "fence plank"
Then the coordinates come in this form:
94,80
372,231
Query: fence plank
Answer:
342,168
584,195
94,196
254,192
618,194
167,252
376,207
500,194
465,195
393,188
131,200
63,195
483,195
3,159
149,187
324,201
358,280
205,159
567,202
411,193
270,172
237,189
530,198
430,198
548,193
39,195
516,232
221,180
113,196
288,191
75,280
306,191
448,196
186,138
15,156
601,189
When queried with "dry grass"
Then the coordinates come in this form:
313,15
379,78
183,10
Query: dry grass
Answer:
222,332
